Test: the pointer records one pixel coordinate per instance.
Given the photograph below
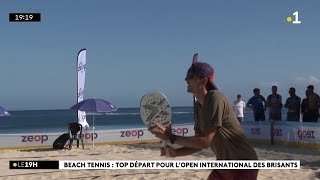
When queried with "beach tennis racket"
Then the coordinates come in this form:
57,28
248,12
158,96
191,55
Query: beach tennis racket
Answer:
155,107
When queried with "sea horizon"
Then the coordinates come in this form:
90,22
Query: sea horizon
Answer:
53,120
75,110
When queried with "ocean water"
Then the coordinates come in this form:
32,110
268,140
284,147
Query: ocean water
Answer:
42,121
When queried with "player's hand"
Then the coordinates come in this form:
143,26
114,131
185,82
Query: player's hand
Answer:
160,131
168,149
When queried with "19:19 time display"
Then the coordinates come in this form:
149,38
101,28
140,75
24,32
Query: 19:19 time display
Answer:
24,17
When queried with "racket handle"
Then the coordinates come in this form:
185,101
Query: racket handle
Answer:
167,151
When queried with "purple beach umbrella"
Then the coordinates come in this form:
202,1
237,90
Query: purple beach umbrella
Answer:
94,106
4,112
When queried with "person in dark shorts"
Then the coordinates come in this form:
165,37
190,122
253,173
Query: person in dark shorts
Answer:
216,126
313,104
305,109
274,104
239,108
293,104
258,104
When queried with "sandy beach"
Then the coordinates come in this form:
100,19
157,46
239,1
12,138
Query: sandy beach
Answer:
310,162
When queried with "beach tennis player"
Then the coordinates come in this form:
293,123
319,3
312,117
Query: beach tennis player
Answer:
216,126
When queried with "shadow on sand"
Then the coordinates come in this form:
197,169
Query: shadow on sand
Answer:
40,150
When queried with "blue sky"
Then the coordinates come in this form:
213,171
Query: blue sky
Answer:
135,47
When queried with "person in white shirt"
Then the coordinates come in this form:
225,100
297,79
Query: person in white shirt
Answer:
239,107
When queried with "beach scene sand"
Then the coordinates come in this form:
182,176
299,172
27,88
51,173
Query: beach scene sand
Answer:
60,53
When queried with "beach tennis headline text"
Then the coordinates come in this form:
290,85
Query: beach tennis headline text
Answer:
290,164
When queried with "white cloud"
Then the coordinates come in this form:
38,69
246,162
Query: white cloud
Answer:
314,80
307,80
300,79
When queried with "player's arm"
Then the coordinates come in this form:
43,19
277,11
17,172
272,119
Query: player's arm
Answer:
265,103
200,140
197,142
184,151
279,102
287,105
249,104
268,102
298,102
216,107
